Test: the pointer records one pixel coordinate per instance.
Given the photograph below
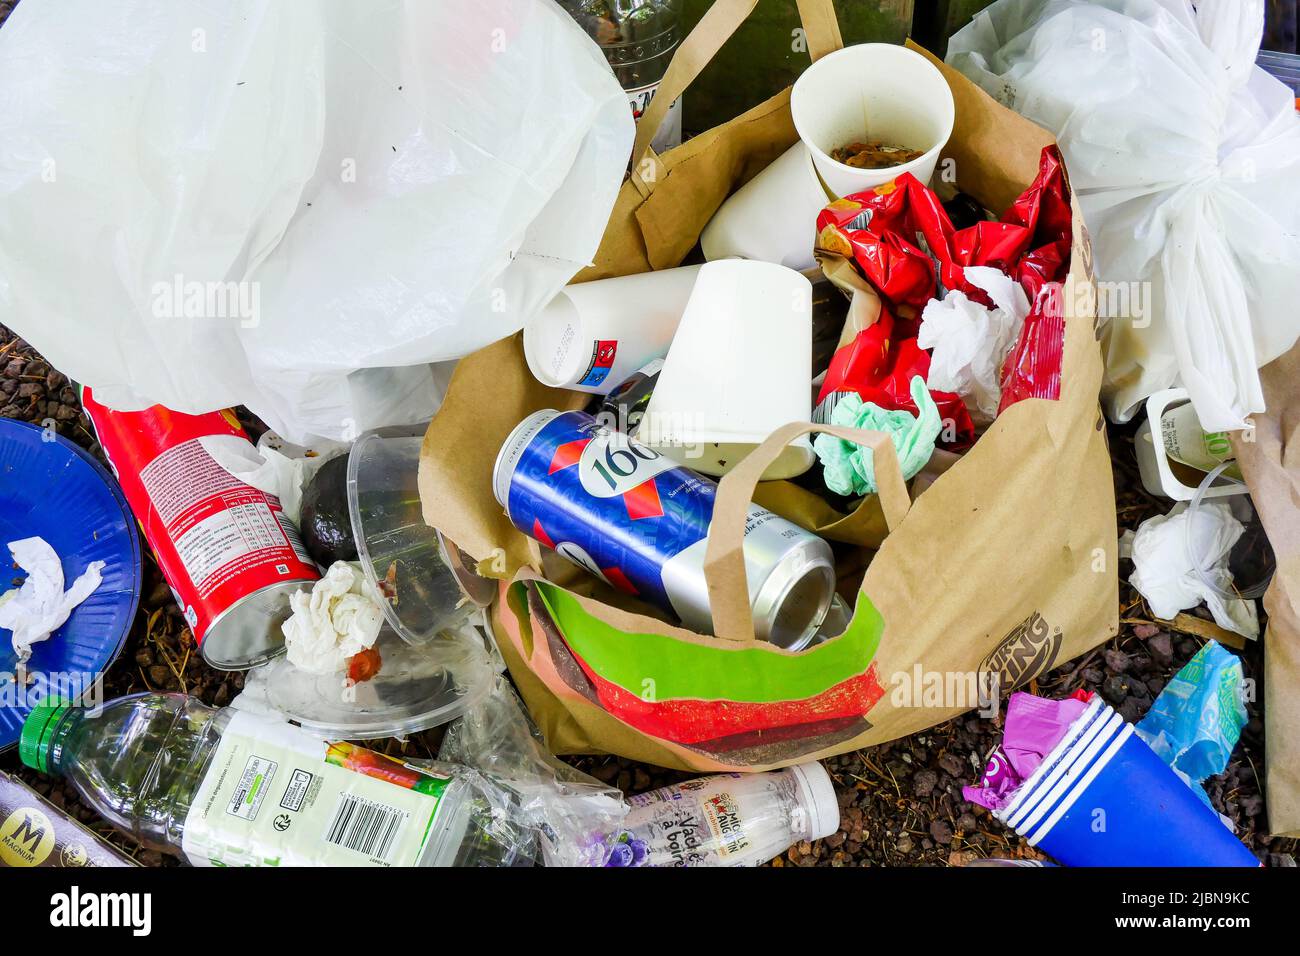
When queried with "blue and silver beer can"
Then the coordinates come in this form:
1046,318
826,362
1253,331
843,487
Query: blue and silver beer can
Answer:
639,521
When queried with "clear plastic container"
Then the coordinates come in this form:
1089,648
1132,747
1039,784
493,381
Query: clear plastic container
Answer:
434,662
402,557
730,819
232,788
638,38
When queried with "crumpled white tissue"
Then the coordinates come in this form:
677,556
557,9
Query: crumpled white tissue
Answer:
335,621
40,606
1163,571
274,467
971,342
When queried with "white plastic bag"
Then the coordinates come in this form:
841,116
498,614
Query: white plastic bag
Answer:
1186,160
204,204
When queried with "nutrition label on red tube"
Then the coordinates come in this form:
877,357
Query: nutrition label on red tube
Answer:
214,519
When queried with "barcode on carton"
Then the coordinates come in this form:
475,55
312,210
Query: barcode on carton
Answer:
366,827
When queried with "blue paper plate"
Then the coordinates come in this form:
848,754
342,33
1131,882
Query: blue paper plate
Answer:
50,488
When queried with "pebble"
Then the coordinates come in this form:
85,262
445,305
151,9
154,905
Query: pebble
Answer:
952,765
924,782
1116,660
1115,690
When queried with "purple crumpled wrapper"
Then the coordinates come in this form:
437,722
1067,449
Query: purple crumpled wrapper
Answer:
1034,726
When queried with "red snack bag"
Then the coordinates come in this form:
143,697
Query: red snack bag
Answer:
900,239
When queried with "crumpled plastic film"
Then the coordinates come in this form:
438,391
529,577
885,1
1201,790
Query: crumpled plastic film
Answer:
1196,721
573,816
848,466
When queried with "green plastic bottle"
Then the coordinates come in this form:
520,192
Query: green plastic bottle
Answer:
225,787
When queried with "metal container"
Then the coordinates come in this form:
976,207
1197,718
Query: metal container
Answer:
227,550
640,522
638,38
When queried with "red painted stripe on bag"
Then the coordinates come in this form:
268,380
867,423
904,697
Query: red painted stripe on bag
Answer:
694,721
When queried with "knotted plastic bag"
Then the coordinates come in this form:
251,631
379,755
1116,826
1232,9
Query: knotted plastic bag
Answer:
1186,161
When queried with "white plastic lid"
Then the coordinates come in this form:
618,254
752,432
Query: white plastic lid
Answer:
817,794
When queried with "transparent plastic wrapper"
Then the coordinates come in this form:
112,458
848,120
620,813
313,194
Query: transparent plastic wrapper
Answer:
574,817
1186,161
296,206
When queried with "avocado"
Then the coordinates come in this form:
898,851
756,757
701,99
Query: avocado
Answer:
326,524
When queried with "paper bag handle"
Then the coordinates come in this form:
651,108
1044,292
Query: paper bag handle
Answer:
724,556
720,21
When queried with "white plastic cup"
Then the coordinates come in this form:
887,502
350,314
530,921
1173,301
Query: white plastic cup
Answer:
740,367
873,91
773,217
593,335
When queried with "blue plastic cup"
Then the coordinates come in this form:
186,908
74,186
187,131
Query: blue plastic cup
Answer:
1102,797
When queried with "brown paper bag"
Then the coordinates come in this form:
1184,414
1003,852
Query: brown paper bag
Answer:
1271,466
1002,567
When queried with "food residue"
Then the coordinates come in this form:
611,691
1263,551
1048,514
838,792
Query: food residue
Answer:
874,155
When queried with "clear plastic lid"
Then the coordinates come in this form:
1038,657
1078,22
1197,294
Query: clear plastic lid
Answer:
416,687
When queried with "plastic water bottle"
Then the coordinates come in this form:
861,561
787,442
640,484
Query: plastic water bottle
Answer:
730,819
229,788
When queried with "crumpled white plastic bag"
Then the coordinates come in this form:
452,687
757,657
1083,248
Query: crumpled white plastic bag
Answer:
971,341
1185,159
295,206
40,606
1163,571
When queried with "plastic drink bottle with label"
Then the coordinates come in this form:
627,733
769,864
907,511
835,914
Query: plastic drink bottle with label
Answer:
226,787
731,819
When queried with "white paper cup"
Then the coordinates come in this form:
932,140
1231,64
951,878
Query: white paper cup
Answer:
740,367
873,91
773,217
593,335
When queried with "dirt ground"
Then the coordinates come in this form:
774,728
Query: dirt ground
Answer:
901,802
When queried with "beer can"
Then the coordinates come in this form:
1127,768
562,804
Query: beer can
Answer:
640,522
227,550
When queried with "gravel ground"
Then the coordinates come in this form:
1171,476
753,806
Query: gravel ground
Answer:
901,802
